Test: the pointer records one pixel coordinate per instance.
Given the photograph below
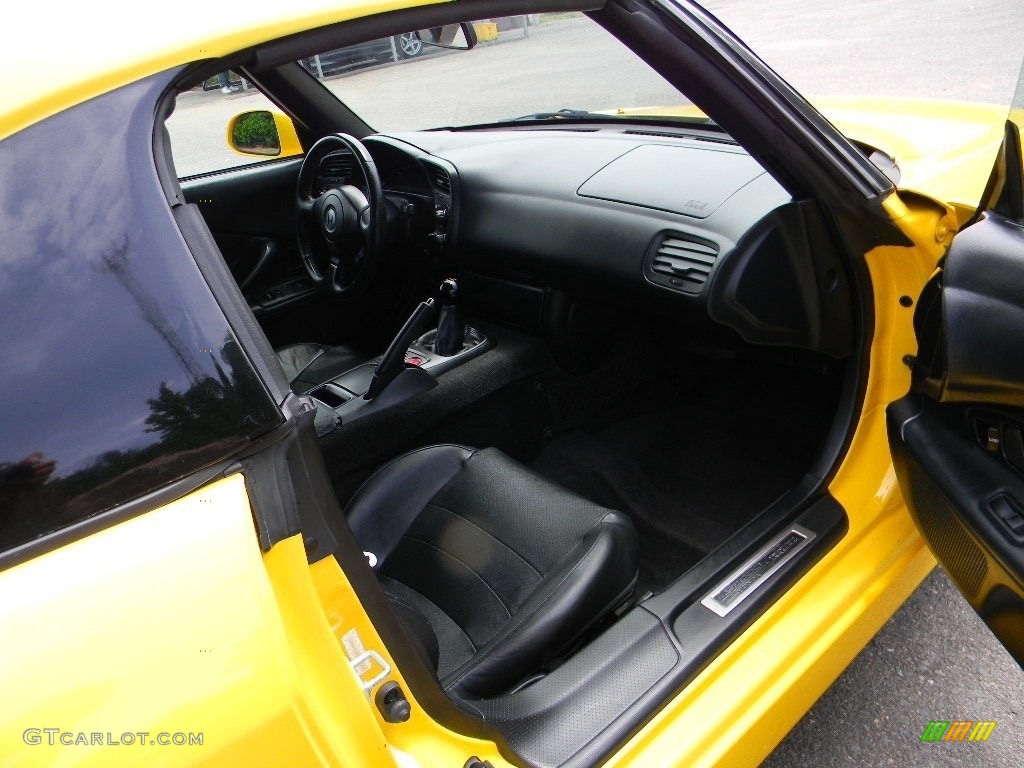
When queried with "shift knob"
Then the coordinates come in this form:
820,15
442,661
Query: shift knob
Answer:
451,327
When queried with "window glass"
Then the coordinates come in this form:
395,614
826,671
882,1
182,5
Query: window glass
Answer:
546,62
1017,105
521,65
553,61
198,125
118,371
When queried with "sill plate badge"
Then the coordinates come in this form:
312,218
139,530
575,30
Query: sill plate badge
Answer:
741,583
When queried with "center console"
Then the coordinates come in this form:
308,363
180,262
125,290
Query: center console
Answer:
423,352
409,367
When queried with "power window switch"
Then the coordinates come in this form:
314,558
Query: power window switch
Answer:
1009,513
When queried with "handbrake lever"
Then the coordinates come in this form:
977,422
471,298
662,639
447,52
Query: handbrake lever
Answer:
422,319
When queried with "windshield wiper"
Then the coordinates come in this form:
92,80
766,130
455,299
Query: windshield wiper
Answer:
673,122
560,114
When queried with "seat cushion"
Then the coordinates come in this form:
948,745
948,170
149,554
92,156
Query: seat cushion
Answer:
507,567
308,365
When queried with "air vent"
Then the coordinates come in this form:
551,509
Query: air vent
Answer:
681,262
337,166
442,182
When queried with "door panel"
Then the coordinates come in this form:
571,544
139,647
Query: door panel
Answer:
255,199
958,437
250,212
983,310
968,502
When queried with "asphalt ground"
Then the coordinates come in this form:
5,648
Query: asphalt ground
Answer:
934,660
938,49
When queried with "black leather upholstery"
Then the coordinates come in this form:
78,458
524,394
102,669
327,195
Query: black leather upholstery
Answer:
307,366
505,566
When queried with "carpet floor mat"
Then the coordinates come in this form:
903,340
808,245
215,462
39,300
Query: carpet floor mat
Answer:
691,465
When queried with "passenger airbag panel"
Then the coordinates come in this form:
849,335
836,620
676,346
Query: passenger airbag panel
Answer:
702,179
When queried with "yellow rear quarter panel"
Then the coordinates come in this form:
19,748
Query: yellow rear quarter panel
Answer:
166,623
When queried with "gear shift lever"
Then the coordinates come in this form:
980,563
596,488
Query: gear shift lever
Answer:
451,326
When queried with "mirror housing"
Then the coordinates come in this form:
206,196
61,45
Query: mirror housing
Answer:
263,133
455,37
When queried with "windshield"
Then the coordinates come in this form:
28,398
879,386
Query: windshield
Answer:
883,72
522,66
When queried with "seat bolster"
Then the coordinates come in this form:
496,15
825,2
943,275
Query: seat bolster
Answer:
390,500
597,575
418,628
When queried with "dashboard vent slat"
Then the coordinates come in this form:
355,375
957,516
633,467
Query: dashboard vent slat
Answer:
442,182
680,262
337,166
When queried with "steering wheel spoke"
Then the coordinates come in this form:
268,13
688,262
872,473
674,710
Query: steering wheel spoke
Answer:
333,254
341,232
305,205
362,207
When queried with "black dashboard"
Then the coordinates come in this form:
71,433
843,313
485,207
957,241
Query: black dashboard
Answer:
684,220
595,201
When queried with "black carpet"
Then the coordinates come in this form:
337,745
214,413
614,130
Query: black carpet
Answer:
693,458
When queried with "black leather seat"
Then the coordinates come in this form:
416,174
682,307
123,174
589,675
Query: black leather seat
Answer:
307,366
492,567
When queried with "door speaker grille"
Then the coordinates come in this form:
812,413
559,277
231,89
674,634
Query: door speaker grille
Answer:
947,536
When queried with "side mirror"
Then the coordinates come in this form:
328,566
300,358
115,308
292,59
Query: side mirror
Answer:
457,37
263,133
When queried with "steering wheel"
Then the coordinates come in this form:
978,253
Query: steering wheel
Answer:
341,231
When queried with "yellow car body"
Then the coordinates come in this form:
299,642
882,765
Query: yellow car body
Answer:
175,626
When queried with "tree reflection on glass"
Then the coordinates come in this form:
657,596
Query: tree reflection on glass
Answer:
201,424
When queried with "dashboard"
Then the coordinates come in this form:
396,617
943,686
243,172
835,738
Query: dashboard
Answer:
683,220
596,202
420,190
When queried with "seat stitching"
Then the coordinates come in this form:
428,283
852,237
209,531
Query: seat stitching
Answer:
468,567
508,629
488,534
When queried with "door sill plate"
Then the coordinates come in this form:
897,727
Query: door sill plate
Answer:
756,570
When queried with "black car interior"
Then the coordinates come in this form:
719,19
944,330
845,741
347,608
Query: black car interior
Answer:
616,365
493,567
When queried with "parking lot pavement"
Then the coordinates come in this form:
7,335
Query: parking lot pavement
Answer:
934,660
937,49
